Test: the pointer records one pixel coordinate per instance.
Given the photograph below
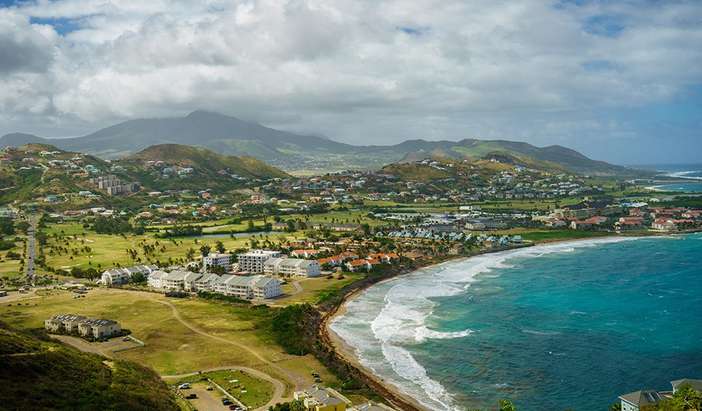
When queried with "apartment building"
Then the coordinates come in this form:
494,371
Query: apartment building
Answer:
253,261
292,267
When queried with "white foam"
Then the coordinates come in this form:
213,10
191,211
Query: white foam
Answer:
686,174
423,333
398,310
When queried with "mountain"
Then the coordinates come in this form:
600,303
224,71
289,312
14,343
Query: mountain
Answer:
296,152
38,170
205,161
38,373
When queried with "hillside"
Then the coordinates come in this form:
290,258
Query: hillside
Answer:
295,152
39,374
208,162
34,171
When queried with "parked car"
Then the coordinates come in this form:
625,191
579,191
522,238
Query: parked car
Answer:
184,386
209,388
191,396
226,401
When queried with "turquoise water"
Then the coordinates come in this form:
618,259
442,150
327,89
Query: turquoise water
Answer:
694,187
571,325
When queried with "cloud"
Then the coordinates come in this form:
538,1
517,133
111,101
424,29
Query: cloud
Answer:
23,47
362,71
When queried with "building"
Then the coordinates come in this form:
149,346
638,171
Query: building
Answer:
252,261
218,260
322,399
119,276
63,323
637,400
206,282
99,329
249,287
179,280
155,279
634,401
292,267
85,327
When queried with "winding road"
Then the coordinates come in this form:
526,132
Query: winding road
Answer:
278,385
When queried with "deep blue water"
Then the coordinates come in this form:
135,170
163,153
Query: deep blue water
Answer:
572,325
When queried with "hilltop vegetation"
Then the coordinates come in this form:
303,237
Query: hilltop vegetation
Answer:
38,374
295,152
39,170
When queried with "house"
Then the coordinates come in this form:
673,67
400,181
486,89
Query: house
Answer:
218,260
358,265
322,399
265,287
63,323
634,401
155,279
637,400
179,280
115,276
670,224
98,329
252,261
205,282
292,267
629,223
588,223
304,253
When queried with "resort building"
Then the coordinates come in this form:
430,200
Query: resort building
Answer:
179,280
155,279
252,261
292,267
217,260
119,276
85,327
206,282
250,287
644,399
322,399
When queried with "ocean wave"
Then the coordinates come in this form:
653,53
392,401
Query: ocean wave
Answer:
537,332
686,174
398,310
423,333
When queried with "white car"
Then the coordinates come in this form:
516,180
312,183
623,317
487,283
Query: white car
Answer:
184,386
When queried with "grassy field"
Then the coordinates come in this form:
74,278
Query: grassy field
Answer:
558,235
171,347
106,251
314,288
10,268
251,391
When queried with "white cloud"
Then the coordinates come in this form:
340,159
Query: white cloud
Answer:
361,71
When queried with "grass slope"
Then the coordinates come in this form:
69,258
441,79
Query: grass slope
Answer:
37,374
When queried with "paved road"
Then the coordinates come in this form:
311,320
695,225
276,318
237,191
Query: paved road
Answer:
278,386
31,249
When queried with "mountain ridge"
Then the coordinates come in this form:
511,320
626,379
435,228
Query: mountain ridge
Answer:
294,152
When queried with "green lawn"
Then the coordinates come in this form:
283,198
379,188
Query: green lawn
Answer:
314,288
251,391
557,235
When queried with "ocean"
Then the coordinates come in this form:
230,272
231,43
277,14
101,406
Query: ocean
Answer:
690,172
552,327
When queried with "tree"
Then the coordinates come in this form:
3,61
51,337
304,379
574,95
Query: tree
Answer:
220,247
506,405
190,254
205,250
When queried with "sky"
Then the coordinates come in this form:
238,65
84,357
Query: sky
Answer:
617,80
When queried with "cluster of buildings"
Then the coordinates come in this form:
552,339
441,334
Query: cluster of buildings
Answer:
90,328
112,185
249,287
646,399
119,276
327,399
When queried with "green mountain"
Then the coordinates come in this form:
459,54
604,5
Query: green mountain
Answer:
296,152
40,374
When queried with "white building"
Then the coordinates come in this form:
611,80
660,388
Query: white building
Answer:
99,328
155,279
118,276
252,261
292,267
248,287
206,282
218,260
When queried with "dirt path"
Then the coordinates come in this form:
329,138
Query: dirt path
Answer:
279,386
298,287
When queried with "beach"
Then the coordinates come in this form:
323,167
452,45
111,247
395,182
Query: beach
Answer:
350,354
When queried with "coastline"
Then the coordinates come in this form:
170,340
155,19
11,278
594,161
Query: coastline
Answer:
394,395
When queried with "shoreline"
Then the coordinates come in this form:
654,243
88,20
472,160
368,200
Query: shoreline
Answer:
389,391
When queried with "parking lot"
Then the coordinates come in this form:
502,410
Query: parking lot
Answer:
206,400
